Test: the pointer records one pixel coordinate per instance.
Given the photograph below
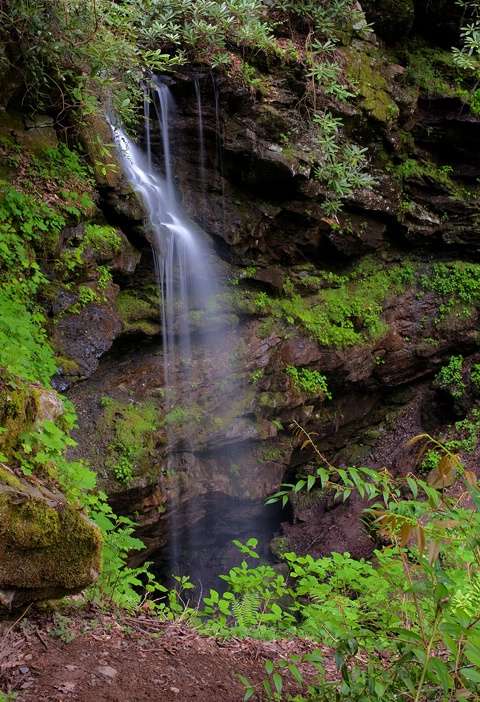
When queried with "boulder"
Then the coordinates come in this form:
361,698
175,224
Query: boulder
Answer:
48,547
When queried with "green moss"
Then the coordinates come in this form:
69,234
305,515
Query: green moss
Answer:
31,524
18,410
130,429
266,328
349,313
45,542
138,315
430,68
364,71
425,170
66,366
9,479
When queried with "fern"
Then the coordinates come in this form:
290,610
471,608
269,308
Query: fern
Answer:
245,609
466,599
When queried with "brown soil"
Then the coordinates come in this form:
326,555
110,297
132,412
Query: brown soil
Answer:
88,655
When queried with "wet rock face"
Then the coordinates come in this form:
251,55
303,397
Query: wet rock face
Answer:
285,267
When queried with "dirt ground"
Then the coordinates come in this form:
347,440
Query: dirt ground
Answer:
87,655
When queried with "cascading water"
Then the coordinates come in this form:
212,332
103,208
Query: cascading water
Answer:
197,369
185,279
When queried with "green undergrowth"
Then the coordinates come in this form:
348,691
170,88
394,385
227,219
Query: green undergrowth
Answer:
413,168
415,605
452,73
51,191
37,447
430,68
310,382
405,624
461,438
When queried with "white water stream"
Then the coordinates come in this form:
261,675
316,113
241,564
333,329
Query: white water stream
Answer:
185,279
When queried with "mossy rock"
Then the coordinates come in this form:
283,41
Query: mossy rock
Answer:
48,547
279,546
365,71
138,315
23,405
392,19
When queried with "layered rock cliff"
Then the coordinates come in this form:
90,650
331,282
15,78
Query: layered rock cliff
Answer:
339,322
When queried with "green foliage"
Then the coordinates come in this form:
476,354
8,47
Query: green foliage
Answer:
68,53
418,608
204,31
29,227
458,283
329,18
348,313
475,378
105,243
460,439
341,166
449,377
118,583
61,164
24,221
411,168
61,629
248,607
103,239
23,343
467,57
178,415
310,382
430,68
338,310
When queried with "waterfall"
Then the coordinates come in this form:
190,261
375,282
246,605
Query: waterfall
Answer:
185,280
201,522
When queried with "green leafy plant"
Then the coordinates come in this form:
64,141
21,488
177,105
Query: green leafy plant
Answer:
341,166
419,605
450,376
457,284
475,378
310,382
61,629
